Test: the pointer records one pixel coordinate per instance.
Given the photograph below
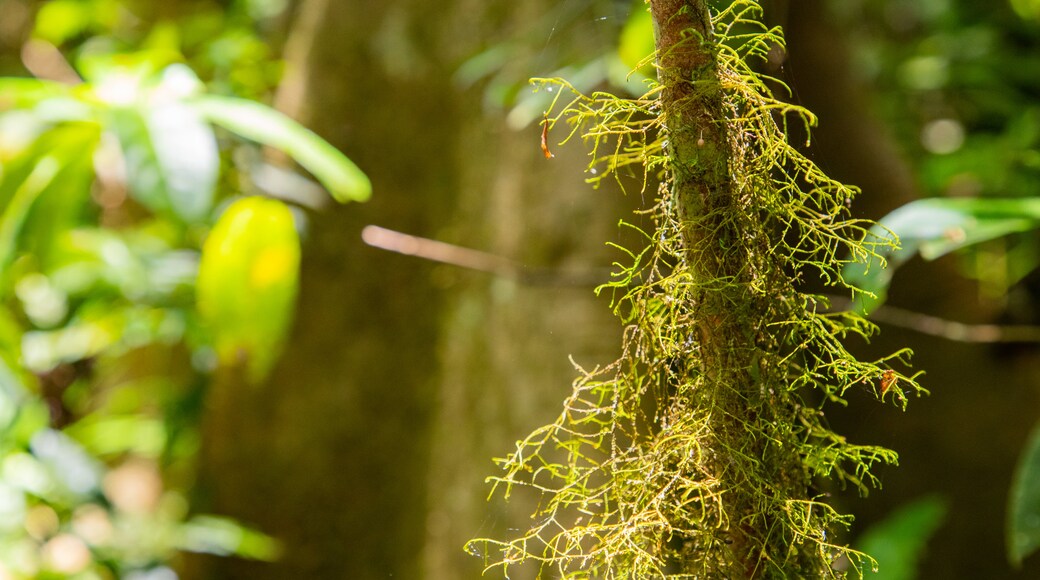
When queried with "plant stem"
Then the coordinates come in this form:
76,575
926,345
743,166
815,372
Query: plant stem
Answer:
726,313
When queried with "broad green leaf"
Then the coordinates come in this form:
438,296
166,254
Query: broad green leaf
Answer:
71,468
1023,518
898,541
66,202
186,152
933,228
113,435
344,180
172,161
247,283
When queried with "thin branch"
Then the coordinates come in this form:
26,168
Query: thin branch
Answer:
45,61
943,328
445,253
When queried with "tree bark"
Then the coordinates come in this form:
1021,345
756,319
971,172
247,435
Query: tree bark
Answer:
367,450
329,455
729,318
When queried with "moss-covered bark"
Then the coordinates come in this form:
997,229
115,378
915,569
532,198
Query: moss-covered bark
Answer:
727,315
696,453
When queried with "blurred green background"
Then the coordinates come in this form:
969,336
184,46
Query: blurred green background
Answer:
205,373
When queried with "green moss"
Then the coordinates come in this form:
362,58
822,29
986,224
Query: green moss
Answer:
698,454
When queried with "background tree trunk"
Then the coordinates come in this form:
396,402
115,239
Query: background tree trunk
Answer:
367,449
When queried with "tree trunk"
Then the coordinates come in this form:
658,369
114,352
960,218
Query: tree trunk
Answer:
757,348
366,450
706,205
329,455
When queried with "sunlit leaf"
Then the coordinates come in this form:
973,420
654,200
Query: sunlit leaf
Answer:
247,282
933,228
20,93
898,542
221,536
344,180
70,466
42,175
66,201
1023,518
44,350
60,20
187,156
110,435
171,157
637,38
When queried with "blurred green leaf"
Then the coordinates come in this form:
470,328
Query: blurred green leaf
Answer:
223,537
344,180
71,468
16,210
187,156
20,93
172,161
933,228
247,283
1023,517
110,435
637,38
65,203
899,541
60,20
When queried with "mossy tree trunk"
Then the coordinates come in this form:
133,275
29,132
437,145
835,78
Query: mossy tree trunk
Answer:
726,313
694,455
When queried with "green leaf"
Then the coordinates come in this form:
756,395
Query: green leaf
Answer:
344,180
247,284
187,156
637,39
59,160
111,435
66,202
221,536
898,541
20,93
1023,517
60,20
933,228
172,160
17,207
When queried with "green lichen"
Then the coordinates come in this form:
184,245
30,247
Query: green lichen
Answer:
700,453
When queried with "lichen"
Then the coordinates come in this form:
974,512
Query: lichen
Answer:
702,451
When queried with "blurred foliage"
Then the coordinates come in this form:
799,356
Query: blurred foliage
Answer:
247,281
224,41
933,228
1023,529
118,177
898,542
559,53
957,82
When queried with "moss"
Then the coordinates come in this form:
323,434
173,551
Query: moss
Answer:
699,453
